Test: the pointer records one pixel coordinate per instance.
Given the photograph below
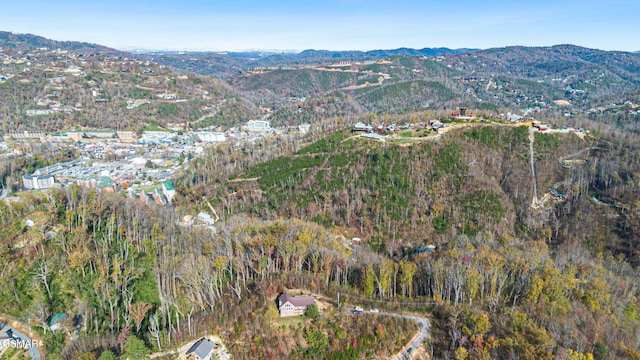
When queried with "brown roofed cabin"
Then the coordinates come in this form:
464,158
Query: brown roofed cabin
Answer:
294,305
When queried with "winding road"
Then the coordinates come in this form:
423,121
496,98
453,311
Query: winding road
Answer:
4,193
532,139
10,333
424,332
563,160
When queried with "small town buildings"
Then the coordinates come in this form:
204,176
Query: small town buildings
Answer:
153,198
210,136
166,96
75,135
513,117
32,182
202,350
101,134
435,124
27,135
103,183
127,136
294,305
138,162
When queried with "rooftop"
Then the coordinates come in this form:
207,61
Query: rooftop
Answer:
168,185
296,300
202,348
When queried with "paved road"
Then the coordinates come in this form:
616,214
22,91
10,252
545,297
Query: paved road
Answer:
424,331
4,193
532,139
8,333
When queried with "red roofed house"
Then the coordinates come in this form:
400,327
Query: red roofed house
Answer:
294,305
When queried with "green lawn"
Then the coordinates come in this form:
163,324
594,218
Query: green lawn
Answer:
290,320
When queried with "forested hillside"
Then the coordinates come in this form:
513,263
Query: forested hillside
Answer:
477,181
227,64
505,279
51,90
124,272
556,81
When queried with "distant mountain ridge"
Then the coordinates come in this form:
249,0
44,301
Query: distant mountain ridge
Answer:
313,53
514,76
381,53
224,64
21,42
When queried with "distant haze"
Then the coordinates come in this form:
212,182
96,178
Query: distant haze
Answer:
215,25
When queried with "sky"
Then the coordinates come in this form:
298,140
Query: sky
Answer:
241,25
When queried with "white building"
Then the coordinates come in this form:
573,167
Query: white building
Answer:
304,128
168,190
31,182
205,218
211,136
360,126
258,125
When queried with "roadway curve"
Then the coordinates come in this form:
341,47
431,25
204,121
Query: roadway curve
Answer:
532,139
4,193
536,202
6,329
424,332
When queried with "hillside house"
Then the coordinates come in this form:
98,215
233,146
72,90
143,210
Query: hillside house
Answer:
203,349
57,321
205,218
360,126
294,305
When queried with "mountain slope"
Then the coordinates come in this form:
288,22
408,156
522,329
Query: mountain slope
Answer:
51,90
471,182
226,64
578,79
21,42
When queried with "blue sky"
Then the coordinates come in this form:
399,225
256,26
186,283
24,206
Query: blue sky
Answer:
328,24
